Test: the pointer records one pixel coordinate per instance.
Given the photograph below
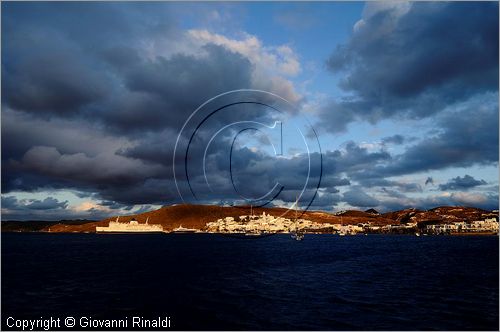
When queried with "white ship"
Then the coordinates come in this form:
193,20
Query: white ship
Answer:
181,229
133,226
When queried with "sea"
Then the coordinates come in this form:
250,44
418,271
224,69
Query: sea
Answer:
215,282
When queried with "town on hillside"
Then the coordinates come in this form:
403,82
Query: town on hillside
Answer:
266,224
185,218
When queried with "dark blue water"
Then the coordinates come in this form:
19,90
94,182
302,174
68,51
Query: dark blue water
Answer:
215,282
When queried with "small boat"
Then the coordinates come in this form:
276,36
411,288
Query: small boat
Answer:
253,234
181,229
297,235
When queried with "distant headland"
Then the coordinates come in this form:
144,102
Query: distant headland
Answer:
236,220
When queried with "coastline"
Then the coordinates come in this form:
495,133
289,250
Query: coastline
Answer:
243,235
248,222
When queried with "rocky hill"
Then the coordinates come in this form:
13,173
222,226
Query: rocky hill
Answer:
196,216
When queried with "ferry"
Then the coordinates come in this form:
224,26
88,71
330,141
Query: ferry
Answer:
133,226
181,229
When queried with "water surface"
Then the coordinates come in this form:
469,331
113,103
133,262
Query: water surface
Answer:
203,281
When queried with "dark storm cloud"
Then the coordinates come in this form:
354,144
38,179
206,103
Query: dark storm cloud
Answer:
414,63
57,72
47,209
54,83
325,201
381,182
255,173
15,178
78,167
21,131
467,136
88,107
332,181
394,200
9,202
149,191
94,96
462,183
152,148
395,139
114,205
113,177
357,197
83,161
49,203
44,70
91,61
353,159
163,92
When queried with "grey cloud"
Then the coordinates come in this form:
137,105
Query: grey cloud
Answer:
15,209
88,107
55,67
9,202
164,92
394,193
156,191
415,63
382,182
54,83
46,204
78,167
392,200
21,131
395,139
326,201
357,197
144,208
112,132
115,205
486,198
468,136
354,159
462,183
49,203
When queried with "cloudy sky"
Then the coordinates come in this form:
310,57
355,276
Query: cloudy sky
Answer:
359,105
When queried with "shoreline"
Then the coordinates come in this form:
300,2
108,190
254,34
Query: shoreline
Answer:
249,235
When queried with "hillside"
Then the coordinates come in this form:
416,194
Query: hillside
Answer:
196,216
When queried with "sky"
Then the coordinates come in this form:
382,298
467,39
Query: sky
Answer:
121,108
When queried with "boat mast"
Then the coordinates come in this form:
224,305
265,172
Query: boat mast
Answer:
296,219
297,235
296,206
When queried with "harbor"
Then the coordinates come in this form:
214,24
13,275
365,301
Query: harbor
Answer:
265,223
133,226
